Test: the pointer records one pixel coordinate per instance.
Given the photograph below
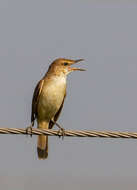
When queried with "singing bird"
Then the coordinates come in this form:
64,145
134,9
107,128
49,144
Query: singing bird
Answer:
48,99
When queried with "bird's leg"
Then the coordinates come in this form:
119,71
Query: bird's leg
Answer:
61,130
29,129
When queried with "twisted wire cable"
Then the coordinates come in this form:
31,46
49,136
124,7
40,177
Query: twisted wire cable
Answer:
70,133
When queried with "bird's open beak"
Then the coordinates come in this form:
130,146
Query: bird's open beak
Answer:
75,68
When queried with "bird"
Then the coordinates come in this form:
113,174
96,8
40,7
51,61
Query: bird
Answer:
48,99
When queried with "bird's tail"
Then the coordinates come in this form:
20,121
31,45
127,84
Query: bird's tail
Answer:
42,144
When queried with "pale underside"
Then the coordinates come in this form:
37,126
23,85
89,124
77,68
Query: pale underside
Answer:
51,98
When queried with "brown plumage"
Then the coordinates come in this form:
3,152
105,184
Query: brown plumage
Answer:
48,99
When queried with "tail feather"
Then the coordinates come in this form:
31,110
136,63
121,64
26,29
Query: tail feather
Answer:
42,144
42,147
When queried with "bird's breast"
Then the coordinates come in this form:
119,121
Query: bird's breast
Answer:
51,97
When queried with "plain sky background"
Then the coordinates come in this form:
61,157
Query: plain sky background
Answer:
32,34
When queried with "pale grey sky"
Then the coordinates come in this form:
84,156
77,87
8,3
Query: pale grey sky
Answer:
34,33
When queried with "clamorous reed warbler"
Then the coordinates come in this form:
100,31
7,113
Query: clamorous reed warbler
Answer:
48,99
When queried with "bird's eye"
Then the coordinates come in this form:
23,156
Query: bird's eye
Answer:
65,63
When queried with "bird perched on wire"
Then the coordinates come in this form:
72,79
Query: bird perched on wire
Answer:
48,99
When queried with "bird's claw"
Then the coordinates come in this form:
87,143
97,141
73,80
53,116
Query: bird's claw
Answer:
29,130
61,132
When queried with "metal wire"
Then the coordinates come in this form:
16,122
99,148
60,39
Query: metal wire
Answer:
70,133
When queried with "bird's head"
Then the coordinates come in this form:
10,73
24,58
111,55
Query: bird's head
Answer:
63,66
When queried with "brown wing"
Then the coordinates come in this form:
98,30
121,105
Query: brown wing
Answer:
57,114
35,100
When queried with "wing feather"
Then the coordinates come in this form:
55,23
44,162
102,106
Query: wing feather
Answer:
35,100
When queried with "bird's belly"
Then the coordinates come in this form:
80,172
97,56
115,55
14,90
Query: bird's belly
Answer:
50,101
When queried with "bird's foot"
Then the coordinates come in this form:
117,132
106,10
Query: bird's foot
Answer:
61,132
29,130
